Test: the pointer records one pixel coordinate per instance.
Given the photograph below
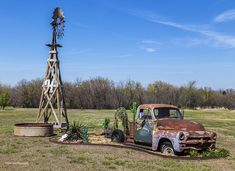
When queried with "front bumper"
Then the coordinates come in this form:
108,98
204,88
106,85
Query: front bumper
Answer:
197,141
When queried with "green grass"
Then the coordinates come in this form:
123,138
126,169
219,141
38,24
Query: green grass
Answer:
79,160
43,155
219,152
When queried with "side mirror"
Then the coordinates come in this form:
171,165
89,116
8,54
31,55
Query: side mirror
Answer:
182,113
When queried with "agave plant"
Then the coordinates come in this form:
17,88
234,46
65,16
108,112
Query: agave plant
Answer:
76,131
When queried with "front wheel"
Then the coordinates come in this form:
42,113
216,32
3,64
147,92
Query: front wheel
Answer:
167,149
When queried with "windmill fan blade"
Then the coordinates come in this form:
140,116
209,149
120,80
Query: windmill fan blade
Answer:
58,22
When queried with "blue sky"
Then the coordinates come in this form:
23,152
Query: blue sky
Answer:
173,41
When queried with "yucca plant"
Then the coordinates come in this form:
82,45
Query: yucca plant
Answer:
76,131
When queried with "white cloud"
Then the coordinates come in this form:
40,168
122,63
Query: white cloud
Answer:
228,15
221,40
149,45
218,38
151,50
148,49
191,41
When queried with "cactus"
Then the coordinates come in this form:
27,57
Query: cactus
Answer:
122,115
133,110
85,136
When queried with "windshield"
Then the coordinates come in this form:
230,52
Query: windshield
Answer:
167,113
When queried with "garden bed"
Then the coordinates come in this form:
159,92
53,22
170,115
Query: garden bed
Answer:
99,140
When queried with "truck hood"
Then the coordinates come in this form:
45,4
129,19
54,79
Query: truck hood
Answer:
179,125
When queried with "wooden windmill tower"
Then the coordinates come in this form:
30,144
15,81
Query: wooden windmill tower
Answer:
52,98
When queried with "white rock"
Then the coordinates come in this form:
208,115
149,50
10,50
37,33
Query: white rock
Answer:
63,137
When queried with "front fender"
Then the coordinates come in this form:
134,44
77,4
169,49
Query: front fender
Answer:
169,135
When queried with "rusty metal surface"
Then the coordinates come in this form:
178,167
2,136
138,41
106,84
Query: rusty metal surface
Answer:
33,124
130,137
197,140
144,106
33,129
179,125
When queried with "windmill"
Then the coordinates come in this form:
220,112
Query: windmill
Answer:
52,97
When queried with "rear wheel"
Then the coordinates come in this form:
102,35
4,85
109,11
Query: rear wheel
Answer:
118,136
167,149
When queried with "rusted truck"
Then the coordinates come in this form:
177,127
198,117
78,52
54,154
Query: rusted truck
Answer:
162,127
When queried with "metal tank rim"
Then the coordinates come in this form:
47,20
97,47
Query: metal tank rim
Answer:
33,129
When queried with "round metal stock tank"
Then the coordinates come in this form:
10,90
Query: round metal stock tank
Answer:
33,129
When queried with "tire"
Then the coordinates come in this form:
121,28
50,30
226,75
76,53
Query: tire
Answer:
118,136
167,149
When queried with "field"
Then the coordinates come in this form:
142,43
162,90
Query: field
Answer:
24,153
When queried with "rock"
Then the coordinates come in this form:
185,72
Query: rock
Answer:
63,137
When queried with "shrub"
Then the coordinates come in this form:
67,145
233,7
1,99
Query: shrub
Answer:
219,152
194,153
4,99
76,131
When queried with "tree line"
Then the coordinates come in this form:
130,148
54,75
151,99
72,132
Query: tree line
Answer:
102,93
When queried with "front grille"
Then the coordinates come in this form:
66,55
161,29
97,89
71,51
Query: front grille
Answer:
198,138
196,146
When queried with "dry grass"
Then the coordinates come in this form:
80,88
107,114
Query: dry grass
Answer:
21,153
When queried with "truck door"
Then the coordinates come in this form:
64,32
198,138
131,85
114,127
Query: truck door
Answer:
143,132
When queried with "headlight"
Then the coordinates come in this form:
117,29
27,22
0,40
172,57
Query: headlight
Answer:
214,136
181,136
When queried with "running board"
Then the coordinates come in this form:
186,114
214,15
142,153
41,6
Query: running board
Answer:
139,146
